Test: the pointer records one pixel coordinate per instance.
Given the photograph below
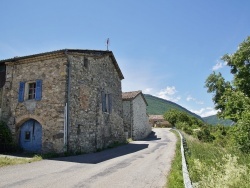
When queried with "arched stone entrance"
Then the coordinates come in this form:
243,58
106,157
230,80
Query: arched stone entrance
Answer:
30,138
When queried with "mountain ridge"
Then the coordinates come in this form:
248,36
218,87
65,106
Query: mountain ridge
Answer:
158,106
214,120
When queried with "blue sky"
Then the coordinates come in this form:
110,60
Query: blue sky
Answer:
166,48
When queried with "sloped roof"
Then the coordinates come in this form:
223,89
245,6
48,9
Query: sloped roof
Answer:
128,96
63,52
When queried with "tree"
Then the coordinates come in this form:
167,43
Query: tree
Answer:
232,98
172,116
216,84
240,66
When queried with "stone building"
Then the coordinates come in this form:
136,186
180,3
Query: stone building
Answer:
135,118
158,121
65,100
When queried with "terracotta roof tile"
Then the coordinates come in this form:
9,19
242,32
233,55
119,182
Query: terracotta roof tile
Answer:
127,96
130,95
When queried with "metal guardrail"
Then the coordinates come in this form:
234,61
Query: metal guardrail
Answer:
186,178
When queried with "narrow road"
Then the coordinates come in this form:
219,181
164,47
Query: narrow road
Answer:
138,164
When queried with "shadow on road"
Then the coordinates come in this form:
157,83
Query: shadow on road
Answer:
94,158
152,136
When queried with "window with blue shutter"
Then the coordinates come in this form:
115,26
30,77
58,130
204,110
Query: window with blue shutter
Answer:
38,95
21,92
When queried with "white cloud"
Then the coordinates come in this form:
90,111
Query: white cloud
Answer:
219,65
189,98
168,91
147,90
169,94
204,112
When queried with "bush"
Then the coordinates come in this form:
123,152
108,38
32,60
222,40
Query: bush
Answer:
5,134
6,141
188,130
204,135
241,136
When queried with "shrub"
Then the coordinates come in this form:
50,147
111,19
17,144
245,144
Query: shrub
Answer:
188,130
5,134
204,135
241,136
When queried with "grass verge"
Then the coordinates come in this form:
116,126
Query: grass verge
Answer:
214,166
175,178
4,161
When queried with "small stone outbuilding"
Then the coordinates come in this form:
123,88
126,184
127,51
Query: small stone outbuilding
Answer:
65,100
135,118
158,121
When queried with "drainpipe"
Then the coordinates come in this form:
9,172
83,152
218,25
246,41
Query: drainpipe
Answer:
67,101
131,117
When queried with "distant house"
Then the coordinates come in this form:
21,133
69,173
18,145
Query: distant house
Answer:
135,118
158,121
62,100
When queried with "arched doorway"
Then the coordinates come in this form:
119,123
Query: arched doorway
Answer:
30,138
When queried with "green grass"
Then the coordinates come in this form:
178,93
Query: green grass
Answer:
213,166
5,161
175,178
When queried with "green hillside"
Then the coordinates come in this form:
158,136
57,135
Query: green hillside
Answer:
158,106
214,120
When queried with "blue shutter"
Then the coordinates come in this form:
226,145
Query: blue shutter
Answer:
38,95
110,103
103,102
21,92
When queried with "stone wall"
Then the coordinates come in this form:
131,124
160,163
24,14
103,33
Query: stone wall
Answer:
49,112
141,126
127,117
90,128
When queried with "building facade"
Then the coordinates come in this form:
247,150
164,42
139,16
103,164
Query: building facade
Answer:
135,118
65,100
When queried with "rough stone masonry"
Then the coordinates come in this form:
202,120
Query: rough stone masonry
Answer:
88,81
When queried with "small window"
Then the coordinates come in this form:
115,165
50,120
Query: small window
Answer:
85,62
106,102
27,135
32,91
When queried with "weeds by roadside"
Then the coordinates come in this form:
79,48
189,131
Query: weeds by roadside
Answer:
4,161
175,178
214,166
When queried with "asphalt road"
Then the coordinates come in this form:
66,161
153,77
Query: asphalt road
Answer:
138,164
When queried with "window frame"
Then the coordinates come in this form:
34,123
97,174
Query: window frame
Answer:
31,91
106,102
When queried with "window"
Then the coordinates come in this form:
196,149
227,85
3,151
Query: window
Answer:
106,102
85,62
30,90
27,136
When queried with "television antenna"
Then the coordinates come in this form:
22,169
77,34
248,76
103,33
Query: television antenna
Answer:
108,41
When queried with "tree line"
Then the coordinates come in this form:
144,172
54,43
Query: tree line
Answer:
231,99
